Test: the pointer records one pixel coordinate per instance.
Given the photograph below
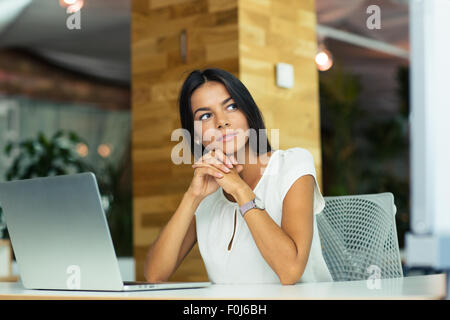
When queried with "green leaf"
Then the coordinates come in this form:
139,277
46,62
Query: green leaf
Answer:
58,135
59,171
65,153
30,172
73,137
8,148
43,140
13,171
29,147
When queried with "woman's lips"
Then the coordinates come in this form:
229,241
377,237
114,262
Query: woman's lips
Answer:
228,137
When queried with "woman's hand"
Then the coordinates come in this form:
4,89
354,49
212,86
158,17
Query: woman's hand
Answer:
210,168
230,180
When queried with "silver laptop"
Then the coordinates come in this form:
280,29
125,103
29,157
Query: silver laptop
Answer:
60,236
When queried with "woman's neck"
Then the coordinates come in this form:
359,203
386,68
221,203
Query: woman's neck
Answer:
252,167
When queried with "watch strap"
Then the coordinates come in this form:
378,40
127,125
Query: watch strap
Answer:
247,206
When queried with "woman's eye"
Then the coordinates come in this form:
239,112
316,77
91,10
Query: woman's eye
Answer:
208,115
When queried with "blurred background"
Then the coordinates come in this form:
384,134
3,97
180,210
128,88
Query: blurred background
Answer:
65,97
364,101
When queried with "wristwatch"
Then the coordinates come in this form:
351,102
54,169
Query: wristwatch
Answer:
255,203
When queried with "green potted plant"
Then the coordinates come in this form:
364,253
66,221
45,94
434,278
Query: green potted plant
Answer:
57,155
42,157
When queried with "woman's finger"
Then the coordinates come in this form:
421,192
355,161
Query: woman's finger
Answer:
233,159
205,170
217,165
206,157
214,162
219,154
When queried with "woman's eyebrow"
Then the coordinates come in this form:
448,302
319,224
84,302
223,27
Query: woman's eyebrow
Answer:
207,108
200,109
226,100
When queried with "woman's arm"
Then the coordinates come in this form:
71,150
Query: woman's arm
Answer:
285,249
173,243
179,235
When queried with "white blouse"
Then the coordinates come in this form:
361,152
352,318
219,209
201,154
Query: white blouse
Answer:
243,263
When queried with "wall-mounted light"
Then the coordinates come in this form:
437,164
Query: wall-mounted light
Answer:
324,59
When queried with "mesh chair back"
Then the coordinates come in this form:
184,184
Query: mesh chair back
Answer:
359,236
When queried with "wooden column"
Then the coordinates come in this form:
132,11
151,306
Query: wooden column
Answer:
244,37
282,31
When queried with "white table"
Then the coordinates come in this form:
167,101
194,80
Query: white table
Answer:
416,287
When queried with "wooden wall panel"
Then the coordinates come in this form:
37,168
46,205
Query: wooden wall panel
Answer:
275,31
158,71
245,37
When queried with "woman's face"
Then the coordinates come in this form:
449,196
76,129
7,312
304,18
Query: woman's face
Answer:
216,114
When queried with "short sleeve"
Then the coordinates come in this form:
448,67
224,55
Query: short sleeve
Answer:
295,163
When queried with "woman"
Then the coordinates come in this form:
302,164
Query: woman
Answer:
251,209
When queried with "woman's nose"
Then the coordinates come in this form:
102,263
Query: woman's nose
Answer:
222,123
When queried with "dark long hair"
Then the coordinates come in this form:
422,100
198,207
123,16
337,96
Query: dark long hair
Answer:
238,93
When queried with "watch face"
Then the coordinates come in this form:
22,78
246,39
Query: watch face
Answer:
259,203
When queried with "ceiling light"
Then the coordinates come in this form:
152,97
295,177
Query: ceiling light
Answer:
71,5
324,59
82,149
104,150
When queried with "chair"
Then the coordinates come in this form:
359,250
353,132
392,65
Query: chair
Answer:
358,234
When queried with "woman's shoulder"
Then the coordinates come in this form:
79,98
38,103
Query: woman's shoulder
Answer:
288,163
295,163
295,157
296,152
